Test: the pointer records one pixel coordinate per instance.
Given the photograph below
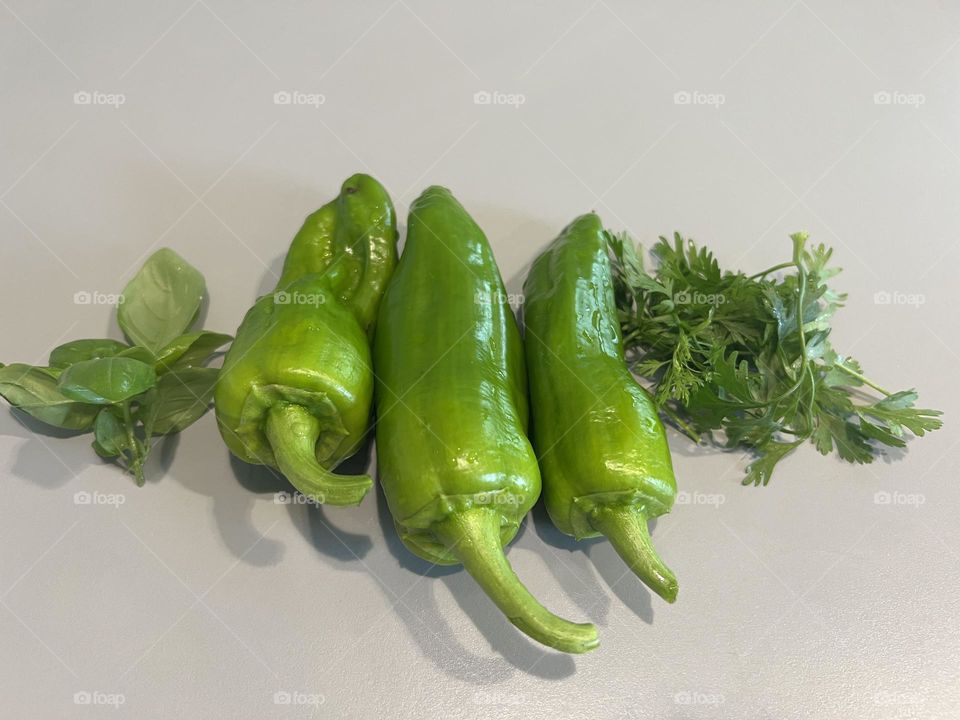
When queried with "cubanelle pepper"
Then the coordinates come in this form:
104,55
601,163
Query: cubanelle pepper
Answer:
602,448
456,467
296,388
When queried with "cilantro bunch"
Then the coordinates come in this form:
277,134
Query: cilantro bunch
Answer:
746,361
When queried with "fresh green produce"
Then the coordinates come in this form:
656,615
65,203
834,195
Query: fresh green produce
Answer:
457,470
352,242
297,385
602,448
127,394
745,360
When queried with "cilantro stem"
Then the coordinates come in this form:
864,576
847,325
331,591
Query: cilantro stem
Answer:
781,266
684,426
862,378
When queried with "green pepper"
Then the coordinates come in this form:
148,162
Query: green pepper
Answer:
602,448
455,464
296,388
353,241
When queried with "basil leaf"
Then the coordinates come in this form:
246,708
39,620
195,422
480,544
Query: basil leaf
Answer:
161,301
137,353
190,350
182,397
34,391
110,436
107,381
76,351
101,452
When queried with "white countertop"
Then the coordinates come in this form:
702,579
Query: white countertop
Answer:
736,124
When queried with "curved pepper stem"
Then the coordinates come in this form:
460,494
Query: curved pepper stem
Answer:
293,433
474,537
626,529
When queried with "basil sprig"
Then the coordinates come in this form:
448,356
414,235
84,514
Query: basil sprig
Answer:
128,393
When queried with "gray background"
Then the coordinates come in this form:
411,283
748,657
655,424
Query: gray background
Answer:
200,596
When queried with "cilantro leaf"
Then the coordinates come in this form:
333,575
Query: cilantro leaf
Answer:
747,361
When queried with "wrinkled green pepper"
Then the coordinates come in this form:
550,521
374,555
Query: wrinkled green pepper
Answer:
296,388
602,448
456,467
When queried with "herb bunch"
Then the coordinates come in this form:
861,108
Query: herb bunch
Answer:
128,393
746,360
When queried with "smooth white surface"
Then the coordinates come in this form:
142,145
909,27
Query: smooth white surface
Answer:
200,597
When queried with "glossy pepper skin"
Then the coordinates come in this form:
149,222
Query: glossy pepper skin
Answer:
602,448
456,467
296,388
352,241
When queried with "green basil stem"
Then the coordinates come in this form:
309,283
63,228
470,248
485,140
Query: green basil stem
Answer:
137,456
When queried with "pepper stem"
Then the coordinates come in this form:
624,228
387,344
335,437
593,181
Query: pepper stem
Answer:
293,432
473,536
626,529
